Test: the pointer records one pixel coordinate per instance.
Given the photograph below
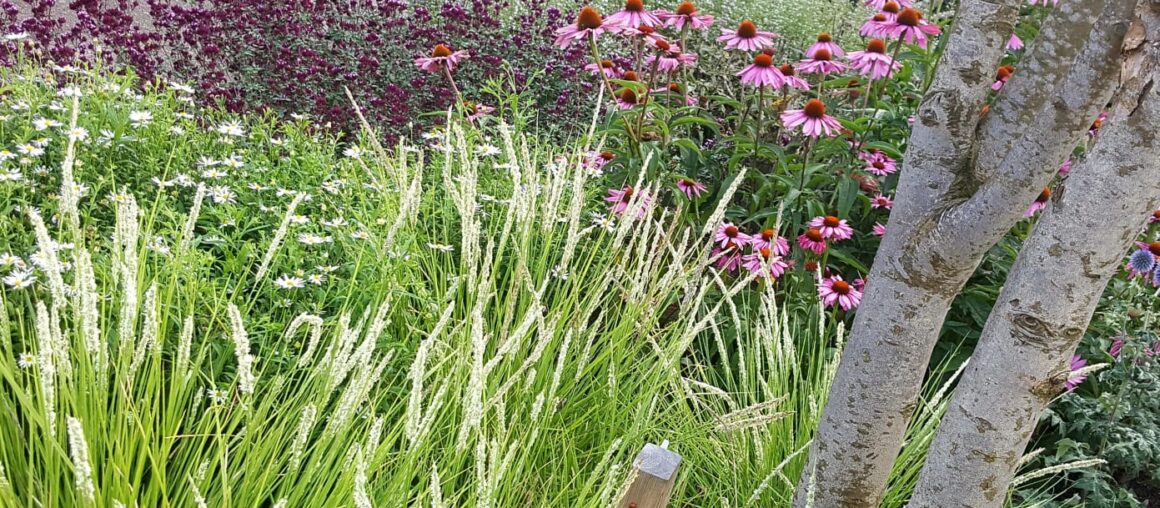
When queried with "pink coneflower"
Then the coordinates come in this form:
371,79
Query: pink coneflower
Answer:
589,23
1116,349
646,34
1155,217
1001,77
620,198
1099,122
692,188
881,201
832,227
728,233
762,73
826,42
746,37
687,15
670,58
626,99
758,262
608,67
873,63
477,111
634,15
1073,381
878,229
1040,202
1014,43
910,27
441,57
878,163
768,239
821,63
813,241
813,119
728,258
1065,168
787,71
881,4
674,89
834,290
875,26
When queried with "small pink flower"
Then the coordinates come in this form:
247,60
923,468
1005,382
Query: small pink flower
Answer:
832,227
746,37
768,239
878,163
477,111
1001,77
441,57
627,99
728,234
873,63
634,15
791,79
813,119
670,58
692,188
765,262
686,14
728,258
1040,202
878,229
910,27
1073,381
834,290
608,67
762,73
881,201
825,42
1155,217
588,23
813,241
619,200
1014,43
1065,168
1099,122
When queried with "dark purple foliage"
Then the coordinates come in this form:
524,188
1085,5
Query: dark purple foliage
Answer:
297,55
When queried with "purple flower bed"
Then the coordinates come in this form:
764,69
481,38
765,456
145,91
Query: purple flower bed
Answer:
296,56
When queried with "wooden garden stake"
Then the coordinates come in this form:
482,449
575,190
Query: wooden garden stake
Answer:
656,473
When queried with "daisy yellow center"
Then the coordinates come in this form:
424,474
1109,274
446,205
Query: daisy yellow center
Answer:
876,46
822,54
841,287
815,109
686,9
909,17
747,30
634,6
763,60
814,234
441,51
831,222
589,18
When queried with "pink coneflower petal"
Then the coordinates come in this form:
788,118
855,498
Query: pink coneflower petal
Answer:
832,227
728,234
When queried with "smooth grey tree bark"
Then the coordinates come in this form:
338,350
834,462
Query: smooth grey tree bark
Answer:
1022,359
964,183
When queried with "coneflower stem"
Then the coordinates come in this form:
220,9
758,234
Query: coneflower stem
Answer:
604,77
647,91
760,117
805,167
889,71
455,89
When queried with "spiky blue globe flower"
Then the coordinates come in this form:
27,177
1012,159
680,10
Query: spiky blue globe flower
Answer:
1142,261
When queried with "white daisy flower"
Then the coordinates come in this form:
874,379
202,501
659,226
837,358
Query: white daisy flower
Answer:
19,280
316,278
487,150
231,128
289,282
353,151
440,247
140,118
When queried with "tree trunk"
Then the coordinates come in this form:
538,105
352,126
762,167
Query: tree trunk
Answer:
963,185
1022,359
